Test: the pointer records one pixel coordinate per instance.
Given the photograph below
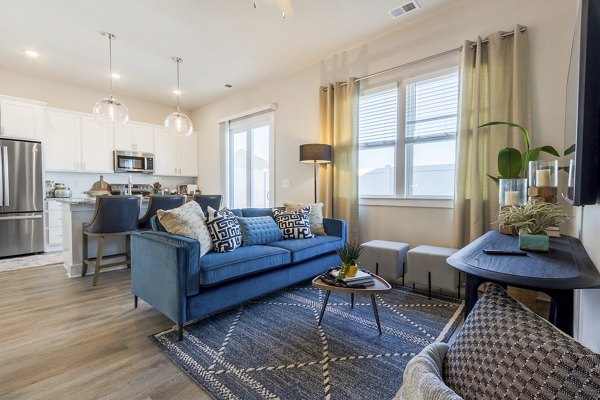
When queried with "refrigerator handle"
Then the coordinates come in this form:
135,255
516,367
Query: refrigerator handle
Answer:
5,185
1,179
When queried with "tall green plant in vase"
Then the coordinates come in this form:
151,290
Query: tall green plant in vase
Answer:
512,164
349,254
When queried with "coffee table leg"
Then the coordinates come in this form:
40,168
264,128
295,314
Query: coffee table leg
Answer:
351,300
376,312
324,306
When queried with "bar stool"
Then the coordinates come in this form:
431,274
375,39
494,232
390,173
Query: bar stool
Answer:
209,200
159,203
113,216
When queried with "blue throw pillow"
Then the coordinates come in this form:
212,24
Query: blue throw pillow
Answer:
259,230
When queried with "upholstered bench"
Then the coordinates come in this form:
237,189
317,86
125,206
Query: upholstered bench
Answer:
503,351
384,258
426,265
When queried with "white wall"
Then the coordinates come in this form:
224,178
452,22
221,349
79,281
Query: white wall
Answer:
550,31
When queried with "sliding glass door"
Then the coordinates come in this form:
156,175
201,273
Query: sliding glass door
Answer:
251,172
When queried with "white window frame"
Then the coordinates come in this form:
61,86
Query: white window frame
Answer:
402,157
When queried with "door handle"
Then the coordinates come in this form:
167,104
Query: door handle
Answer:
269,195
1,179
13,217
5,177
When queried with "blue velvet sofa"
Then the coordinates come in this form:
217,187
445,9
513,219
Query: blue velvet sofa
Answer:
167,272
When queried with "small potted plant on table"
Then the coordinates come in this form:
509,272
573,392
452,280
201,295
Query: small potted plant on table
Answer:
532,220
349,254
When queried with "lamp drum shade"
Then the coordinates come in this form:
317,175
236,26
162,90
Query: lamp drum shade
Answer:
315,153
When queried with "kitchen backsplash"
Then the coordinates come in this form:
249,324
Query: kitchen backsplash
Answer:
82,182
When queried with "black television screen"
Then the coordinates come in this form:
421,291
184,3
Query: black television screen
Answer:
583,108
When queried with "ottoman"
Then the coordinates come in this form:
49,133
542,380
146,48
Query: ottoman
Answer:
426,265
384,258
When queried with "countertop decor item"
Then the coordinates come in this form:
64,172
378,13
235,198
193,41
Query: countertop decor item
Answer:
109,111
315,153
178,123
532,220
99,188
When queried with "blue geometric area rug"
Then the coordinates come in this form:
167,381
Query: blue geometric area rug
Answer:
272,348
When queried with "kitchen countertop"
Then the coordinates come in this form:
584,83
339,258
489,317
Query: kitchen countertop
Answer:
80,200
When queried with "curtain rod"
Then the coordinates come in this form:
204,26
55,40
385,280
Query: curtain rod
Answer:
443,53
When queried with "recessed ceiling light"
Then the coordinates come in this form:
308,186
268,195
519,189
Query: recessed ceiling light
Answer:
32,53
115,76
175,91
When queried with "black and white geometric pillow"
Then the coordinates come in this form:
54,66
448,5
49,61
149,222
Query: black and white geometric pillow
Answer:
294,224
224,230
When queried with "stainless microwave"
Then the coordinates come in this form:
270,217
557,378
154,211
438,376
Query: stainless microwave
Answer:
132,161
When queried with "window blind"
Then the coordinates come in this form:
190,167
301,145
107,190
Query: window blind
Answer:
378,117
431,107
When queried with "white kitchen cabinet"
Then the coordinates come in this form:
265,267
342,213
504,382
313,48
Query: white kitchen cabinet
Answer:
135,137
62,146
21,119
175,155
76,142
53,231
96,146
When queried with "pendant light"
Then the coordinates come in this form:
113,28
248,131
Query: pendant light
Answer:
109,111
178,123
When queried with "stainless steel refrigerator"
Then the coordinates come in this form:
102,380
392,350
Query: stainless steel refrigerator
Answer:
21,198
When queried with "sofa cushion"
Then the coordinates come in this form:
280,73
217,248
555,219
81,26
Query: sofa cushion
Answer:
422,379
294,224
187,220
304,249
506,351
218,267
259,230
315,217
224,230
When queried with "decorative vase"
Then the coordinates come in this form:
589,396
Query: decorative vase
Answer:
352,270
529,242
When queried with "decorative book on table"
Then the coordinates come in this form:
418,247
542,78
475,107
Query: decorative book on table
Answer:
360,279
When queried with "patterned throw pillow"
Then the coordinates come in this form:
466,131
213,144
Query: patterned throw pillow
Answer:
224,230
316,215
506,351
294,224
259,230
187,220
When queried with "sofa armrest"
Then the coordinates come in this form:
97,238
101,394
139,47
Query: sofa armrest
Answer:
422,378
164,271
336,227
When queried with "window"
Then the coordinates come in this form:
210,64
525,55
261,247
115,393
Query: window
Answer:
407,137
251,172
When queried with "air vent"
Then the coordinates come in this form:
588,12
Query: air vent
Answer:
404,8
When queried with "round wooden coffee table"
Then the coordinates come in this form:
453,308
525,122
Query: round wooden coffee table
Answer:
381,286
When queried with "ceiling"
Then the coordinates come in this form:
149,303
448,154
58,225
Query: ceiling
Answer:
221,41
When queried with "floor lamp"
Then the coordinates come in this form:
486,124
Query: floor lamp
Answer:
315,153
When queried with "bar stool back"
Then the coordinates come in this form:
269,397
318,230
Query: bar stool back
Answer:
209,200
113,216
159,203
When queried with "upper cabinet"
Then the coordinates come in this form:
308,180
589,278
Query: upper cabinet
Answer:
77,142
135,136
175,155
21,119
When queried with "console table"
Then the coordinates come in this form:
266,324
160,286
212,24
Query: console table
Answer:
564,268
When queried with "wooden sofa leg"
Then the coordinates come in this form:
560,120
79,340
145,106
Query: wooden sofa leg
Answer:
179,332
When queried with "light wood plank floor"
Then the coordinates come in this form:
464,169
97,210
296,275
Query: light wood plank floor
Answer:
62,338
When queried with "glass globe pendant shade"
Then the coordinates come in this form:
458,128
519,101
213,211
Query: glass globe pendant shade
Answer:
110,112
179,124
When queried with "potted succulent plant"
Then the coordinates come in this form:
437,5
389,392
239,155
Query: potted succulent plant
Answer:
349,254
532,220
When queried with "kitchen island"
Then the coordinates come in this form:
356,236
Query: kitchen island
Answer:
74,213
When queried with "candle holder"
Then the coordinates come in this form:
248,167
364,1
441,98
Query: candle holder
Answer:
512,192
543,181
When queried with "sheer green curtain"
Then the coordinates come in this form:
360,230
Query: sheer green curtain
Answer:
339,180
494,87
